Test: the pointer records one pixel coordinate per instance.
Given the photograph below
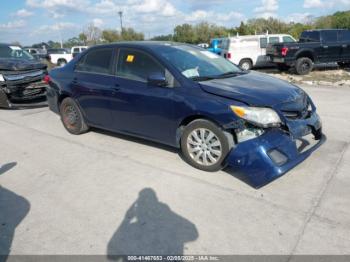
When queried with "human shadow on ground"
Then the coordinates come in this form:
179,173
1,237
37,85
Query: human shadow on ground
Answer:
13,209
150,227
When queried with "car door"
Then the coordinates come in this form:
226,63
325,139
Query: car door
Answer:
93,86
344,41
331,48
140,108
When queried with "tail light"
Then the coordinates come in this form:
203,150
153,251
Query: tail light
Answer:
47,79
284,51
228,56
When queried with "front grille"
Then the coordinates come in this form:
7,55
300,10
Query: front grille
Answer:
25,85
301,114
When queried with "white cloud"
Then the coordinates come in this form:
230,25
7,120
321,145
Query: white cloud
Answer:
12,25
23,13
98,22
219,18
267,9
299,18
326,4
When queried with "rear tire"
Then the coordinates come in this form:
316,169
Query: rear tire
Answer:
204,145
304,66
246,64
72,117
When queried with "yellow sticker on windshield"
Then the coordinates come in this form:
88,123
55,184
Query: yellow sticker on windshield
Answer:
130,58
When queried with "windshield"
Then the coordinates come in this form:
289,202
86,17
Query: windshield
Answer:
14,52
198,64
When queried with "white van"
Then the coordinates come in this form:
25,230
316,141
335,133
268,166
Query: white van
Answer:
250,51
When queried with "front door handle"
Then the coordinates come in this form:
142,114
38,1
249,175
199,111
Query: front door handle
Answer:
115,88
325,46
344,46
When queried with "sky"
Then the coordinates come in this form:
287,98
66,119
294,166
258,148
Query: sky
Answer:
33,21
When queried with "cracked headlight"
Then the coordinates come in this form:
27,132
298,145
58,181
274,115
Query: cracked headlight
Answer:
2,79
259,116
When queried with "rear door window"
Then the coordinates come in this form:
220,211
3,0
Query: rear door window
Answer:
273,40
97,61
330,36
310,36
263,42
76,50
344,36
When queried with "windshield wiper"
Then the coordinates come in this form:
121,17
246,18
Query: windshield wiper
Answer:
202,78
230,74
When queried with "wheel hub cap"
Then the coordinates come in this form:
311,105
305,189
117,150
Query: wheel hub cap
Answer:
204,147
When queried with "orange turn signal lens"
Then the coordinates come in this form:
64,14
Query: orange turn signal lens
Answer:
239,111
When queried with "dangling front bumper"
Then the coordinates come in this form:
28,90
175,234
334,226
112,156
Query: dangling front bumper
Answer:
274,153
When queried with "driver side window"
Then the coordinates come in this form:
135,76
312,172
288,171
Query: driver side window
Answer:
138,66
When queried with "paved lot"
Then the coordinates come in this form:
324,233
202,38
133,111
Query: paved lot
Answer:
100,193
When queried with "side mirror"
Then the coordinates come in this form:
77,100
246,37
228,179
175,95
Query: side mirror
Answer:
157,79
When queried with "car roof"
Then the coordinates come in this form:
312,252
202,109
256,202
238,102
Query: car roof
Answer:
149,44
330,29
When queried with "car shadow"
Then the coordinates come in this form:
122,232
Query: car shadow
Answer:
137,140
150,227
13,209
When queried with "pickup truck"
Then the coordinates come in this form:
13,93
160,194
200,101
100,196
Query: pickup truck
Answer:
60,56
314,46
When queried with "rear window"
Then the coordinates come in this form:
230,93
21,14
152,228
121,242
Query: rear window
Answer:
97,61
330,36
310,36
344,36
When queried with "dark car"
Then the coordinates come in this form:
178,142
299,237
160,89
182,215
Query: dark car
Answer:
21,78
189,98
314,46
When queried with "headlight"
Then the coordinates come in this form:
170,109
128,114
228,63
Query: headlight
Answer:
2,78
260,116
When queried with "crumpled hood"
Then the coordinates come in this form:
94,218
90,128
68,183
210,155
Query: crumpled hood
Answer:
254,89
12,64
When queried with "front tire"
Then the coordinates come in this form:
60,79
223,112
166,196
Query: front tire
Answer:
204,145
72,117
304,66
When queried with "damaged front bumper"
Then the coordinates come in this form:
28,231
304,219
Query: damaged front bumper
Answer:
24,92
269,156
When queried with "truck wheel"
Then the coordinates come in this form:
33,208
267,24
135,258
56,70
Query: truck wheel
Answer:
72,117
204,145
304,65
283,67
61,62
246,64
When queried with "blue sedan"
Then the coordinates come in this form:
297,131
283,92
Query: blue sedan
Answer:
189,98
